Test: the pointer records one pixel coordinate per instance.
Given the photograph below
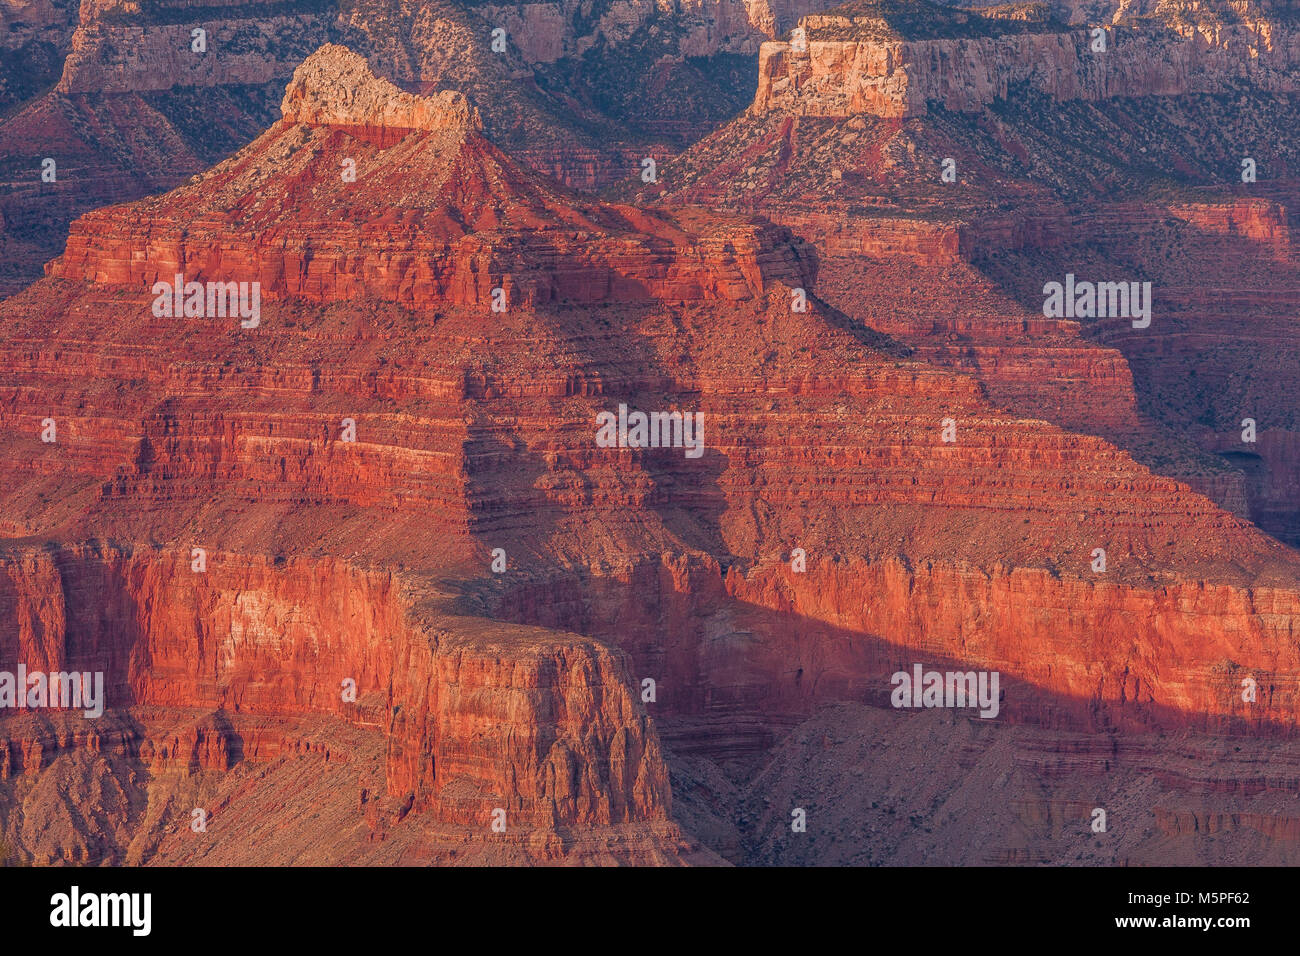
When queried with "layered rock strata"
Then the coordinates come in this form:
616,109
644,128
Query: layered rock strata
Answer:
856,60
502,583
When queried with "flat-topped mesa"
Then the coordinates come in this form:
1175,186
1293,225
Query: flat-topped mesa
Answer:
1184,11
336,87
122,46
893,58
362,189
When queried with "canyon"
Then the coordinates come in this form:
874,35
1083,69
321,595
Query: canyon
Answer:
129,102
1050,176
636,656
844,63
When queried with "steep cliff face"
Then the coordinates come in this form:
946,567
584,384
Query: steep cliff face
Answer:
34,35
497,435
902,460
1074,654
259,40
486,51
1184,13
549,31
120,48
545,729
335,87
988,202
860,60
468,221
147,97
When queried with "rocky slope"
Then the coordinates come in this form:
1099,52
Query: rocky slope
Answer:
34,34
891,59
1143,185
925,789
541,728
131,100
396,483
470,220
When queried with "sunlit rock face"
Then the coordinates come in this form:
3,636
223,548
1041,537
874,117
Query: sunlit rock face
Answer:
367,579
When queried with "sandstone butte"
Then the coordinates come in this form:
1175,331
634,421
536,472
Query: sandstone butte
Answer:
329,560
1081,163
115,93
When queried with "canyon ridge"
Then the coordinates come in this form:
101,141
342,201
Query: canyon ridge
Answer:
306,346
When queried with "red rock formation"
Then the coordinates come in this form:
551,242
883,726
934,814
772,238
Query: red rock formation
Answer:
474,222
518,687
857,60
147,110
881,787
545,729
1025,209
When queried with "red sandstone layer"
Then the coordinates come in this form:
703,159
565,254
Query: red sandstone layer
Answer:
475,431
